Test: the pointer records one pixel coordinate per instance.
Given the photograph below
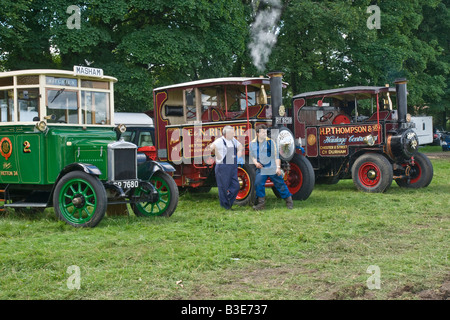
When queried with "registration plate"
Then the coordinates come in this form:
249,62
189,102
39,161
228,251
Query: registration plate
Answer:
127,184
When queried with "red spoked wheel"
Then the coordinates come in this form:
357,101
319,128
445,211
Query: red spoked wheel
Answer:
372,172
299,178
369,174
246,177
294,178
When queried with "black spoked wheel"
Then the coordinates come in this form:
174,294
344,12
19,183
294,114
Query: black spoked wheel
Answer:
420,173
167,201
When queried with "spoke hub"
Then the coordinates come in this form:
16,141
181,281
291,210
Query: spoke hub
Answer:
78,201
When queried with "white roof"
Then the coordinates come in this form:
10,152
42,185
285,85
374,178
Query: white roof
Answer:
216,81
53,72
133,119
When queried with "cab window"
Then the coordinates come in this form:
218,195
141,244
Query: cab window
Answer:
145,140
62,106
128,136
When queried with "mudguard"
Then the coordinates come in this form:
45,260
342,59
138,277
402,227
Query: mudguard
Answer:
148,168
88,168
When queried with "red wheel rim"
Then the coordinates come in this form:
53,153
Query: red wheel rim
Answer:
294,178
244,182
416,174
369,174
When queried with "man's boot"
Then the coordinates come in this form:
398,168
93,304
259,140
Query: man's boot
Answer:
261,204
289,203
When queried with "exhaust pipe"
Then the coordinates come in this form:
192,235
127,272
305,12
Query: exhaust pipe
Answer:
276,90
402,108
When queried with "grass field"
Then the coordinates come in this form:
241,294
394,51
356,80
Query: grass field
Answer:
320,250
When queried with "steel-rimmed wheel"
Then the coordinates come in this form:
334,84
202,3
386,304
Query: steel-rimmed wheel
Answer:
80,199
369,174
246,178
420,173
167,197
299,178
372,173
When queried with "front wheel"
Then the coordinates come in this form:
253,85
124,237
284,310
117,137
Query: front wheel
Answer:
300,178
167,200
372,172
80,199
420,174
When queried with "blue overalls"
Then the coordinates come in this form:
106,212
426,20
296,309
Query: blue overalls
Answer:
268,170
226,177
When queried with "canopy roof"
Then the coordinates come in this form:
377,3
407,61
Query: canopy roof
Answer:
219,82
343,93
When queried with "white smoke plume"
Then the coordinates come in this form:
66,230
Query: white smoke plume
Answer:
264,33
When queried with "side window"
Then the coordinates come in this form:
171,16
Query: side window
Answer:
28,102
191,111
95,107
6,105
145,139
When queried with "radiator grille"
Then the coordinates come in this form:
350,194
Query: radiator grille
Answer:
124,164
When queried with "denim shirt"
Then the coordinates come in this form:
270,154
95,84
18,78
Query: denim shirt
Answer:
265,153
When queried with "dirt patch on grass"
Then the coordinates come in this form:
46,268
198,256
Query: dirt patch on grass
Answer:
438,155
275,282
254,282
353,292
410,291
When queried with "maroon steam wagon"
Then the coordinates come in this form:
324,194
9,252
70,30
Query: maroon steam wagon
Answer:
189,116
374,149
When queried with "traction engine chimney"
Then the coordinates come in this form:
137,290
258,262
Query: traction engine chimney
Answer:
402,108
276,90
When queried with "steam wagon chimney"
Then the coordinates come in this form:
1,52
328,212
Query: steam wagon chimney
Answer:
276,91
400,87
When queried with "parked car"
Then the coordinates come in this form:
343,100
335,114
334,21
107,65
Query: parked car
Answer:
445,141
437,134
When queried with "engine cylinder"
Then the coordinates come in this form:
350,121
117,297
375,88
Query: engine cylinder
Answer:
403,145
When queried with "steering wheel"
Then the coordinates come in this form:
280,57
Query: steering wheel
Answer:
326,117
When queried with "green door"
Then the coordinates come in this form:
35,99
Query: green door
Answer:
30,157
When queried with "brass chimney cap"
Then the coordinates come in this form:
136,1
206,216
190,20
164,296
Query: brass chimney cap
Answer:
401,81
275,74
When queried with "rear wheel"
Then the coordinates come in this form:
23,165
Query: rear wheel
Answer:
80,199
167,201
247,191
420,174
372,173
300,178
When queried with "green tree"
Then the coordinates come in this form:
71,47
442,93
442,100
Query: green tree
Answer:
326,44
435,29
142,43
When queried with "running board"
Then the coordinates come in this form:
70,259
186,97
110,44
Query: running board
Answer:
25,205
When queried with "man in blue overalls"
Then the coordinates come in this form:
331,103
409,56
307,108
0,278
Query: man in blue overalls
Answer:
227,150
264,155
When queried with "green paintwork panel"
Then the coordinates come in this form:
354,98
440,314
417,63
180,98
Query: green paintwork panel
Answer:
29,156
